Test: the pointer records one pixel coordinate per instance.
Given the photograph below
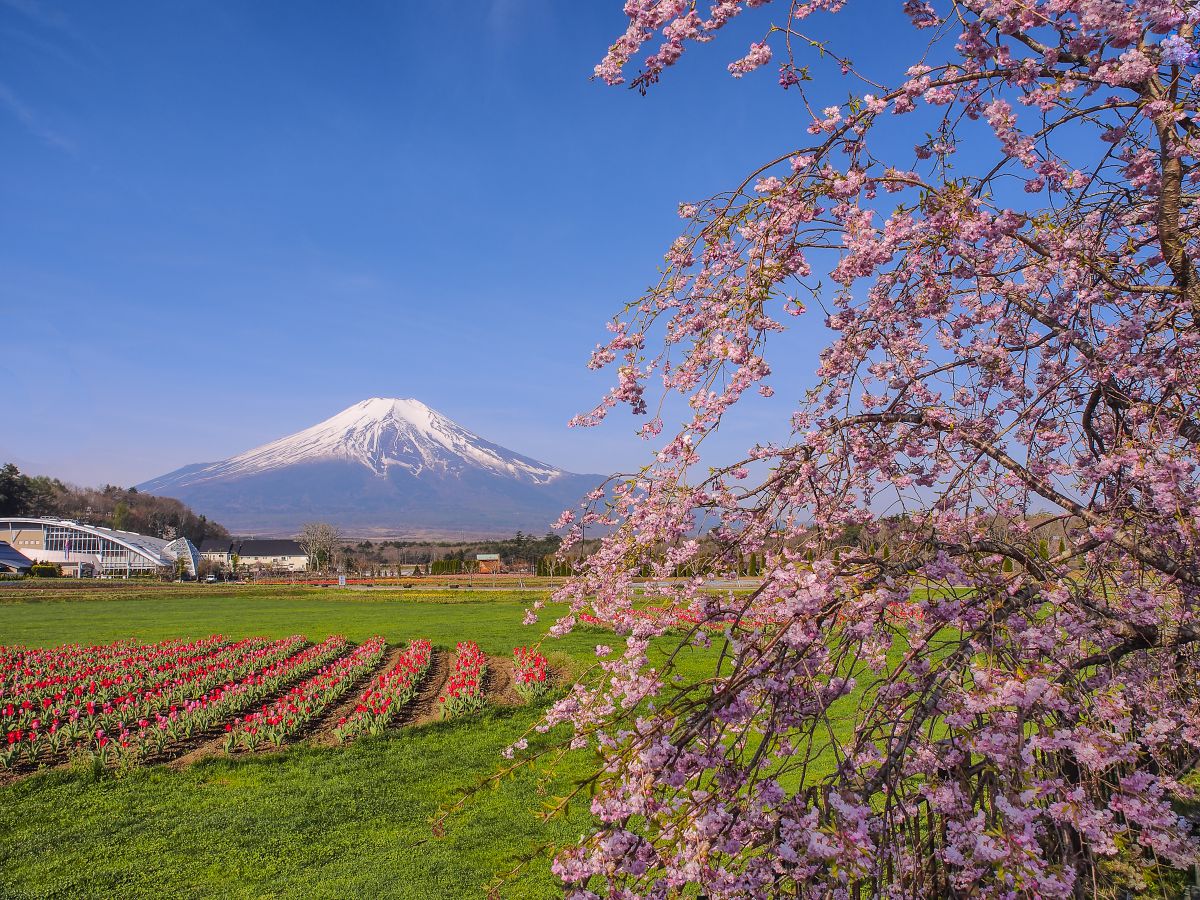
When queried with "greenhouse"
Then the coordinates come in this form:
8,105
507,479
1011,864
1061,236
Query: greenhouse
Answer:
105,551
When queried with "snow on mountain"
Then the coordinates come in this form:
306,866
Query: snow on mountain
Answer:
380,464
381,433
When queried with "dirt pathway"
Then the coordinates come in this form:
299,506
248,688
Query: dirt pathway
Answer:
322,727
499,687
425,707
208,746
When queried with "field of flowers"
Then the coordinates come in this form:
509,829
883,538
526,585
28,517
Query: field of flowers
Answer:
464,690
126,700
387,693
530,674
127,703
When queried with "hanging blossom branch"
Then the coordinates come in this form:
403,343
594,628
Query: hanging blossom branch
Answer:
971,665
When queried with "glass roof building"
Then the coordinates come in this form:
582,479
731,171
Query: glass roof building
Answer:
109,552
12,561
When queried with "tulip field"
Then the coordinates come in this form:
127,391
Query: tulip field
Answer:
283,741
387,693
125,702
464,690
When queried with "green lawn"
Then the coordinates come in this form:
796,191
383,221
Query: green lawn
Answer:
310,821
492,620
314,822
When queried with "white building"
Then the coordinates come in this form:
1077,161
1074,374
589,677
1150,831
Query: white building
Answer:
107,552
256,555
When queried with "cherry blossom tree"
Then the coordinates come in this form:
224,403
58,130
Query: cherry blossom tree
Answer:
971,666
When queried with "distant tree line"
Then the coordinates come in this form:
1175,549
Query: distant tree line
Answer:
444,557
126,509
536,555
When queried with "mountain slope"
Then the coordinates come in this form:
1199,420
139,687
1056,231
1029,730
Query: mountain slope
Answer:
382,466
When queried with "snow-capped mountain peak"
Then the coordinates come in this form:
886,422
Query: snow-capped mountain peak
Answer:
381,433
384,465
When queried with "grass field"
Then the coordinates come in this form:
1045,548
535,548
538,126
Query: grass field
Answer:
307,821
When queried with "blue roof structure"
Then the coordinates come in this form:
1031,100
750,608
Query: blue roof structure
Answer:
12,560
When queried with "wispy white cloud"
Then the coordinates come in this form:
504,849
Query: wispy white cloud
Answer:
31,121
40,13
53,24
42,47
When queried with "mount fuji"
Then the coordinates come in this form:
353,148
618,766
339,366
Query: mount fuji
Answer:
384,466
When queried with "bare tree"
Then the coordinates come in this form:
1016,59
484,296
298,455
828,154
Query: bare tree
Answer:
320,540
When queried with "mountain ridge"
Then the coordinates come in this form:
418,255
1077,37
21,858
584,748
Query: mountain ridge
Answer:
383,465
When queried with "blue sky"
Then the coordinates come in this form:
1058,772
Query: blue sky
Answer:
221,222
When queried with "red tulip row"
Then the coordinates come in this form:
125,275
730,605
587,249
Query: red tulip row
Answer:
387,693
464,690
529,673
97,673
17,661
303,703
906,611
230,661
264,670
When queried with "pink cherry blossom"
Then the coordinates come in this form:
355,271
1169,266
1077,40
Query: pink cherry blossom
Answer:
972,663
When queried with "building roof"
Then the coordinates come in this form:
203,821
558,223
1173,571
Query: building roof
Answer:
269,548
13,559
158,551
216,545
